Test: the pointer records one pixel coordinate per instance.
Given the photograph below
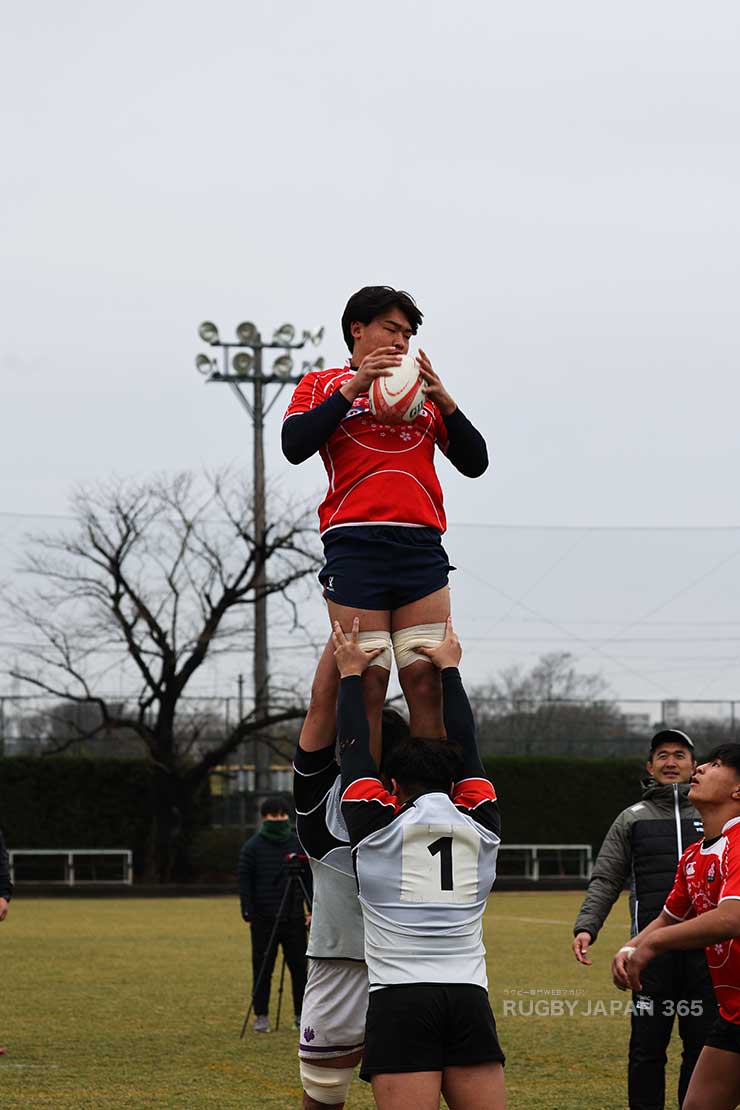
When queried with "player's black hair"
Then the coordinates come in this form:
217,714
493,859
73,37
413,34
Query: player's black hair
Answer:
274,806
370,301
419,765
728,754
395,731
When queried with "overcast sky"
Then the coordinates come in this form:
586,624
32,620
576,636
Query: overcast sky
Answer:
557,186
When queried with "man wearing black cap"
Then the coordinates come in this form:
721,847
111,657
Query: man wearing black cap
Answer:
643,846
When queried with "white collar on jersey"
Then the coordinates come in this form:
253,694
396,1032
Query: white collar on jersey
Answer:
729,825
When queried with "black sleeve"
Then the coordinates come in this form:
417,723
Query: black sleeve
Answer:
459,721
366,804
466,449
314,775
305,432
246,879
6,887
473,793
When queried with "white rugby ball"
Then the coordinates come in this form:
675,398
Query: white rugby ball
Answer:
399,398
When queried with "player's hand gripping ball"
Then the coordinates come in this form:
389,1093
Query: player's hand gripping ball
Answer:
398,398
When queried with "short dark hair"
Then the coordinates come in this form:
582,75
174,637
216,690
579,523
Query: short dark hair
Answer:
273,806
728,754
420,764
395,731
370,301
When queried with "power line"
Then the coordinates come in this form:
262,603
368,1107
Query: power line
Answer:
10,514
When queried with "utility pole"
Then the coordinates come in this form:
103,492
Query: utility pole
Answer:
244,368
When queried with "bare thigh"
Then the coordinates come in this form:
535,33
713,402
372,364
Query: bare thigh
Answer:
418,1090
475,1087
715,1083
432,609
420,680
371,620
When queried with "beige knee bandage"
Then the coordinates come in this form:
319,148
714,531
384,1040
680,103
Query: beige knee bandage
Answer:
368,641
328,1086
418,635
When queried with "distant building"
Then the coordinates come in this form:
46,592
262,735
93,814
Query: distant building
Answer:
640,723
671,713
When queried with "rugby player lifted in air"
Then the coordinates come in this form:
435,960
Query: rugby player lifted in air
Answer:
335,1000
382,518
425,859
703,909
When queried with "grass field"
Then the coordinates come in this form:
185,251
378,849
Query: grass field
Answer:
139,1003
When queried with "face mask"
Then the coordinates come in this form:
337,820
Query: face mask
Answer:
277,831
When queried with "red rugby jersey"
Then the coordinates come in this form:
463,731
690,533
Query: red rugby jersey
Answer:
706,876
378,473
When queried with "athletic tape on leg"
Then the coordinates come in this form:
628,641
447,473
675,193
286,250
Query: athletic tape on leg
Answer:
368,641
418,635
326,1085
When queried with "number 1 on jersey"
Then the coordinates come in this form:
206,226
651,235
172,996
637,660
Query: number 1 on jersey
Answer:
439,862
443,848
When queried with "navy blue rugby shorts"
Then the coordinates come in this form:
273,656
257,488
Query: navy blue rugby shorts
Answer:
382,566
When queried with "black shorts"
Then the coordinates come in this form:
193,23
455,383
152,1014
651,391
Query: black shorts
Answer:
723,1034
382,566
428,1027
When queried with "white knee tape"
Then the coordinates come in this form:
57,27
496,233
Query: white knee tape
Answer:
326,1085
418,635
368,641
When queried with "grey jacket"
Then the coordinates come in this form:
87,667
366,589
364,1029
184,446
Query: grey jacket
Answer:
643,846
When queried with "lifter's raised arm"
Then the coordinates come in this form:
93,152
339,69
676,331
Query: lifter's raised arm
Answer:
473,792
366,804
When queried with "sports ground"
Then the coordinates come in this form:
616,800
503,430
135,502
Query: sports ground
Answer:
139,1002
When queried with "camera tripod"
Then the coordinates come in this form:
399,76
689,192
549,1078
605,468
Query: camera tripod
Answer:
294,884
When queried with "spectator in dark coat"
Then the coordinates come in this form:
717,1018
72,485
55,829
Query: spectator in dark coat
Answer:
6,887
263,879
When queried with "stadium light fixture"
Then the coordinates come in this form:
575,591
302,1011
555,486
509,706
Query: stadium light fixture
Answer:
242,370
243,363
204,365
314,337
283,366
247,333
208,332
285,334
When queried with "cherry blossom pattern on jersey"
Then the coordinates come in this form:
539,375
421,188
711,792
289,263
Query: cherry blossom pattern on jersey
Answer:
707,874
378,473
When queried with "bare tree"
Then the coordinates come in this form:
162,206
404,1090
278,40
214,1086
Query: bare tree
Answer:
553,707
156,577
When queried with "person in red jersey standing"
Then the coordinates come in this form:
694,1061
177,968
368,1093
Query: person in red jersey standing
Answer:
703,909
383,518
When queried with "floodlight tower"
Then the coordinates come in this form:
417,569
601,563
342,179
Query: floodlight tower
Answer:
239,370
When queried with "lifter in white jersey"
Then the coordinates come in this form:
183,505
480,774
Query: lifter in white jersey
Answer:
336,996
425,859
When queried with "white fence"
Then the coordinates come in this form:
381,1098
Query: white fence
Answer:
536,854
69,855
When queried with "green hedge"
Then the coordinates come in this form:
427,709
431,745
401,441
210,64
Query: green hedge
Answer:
72,802
561,800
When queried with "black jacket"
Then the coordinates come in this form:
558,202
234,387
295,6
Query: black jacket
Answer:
263,874
6,887
643,845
